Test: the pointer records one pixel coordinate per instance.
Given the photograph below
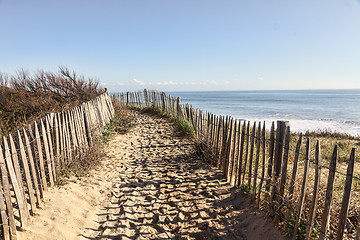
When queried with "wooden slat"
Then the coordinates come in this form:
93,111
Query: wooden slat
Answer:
231,146
278,157
263,147
16,164
252,143
346,197
47,153
329,195
74,142
270,158
295,167
66,138
358,229
303,188
34,173
237,155
315,196
223,142
56,134
228,146
283,176
218,142
285,161
26,169
8,222
257,158
14,181
241,154
51,150
43,182
62,142
246,151
83,128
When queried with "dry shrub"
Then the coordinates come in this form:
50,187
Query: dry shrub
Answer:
25,97
123,119
82,164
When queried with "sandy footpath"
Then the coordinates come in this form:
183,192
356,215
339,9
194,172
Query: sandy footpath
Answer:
150,186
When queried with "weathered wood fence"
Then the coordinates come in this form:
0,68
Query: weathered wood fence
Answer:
31,158
285,182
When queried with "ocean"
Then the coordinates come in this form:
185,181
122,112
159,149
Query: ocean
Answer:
333,110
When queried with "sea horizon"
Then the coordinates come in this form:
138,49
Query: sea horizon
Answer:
333,110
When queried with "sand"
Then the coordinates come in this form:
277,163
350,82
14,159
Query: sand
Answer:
149,186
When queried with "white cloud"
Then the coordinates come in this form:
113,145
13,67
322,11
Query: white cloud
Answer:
173,83
226,82
260,78
139,82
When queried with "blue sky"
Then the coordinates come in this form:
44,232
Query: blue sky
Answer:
187,45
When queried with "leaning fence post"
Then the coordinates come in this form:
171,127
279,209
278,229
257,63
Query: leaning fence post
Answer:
271,156
7,195
302,194
26,170
241,153
246,150
33,170
346,197
315,196
257,158
263,144
295,166
329,195
251,154
16,185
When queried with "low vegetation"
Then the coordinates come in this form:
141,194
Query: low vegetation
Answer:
25,96
120,124
184,125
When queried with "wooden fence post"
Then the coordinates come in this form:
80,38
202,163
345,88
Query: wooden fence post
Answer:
4,217
315,196
236,155
51,150
16,185
303,188
25,166
56,144
231,147
241,154
263,146
247,150
329,193
257,158
47,153
252,140
279,147
40,158
271,156
34,172
346,197
9,219
295,167
16,164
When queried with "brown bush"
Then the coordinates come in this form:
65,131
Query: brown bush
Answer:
25,96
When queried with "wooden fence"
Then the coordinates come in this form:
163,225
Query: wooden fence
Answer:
31,158
295,188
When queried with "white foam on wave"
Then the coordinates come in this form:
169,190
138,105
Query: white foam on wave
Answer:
300,125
